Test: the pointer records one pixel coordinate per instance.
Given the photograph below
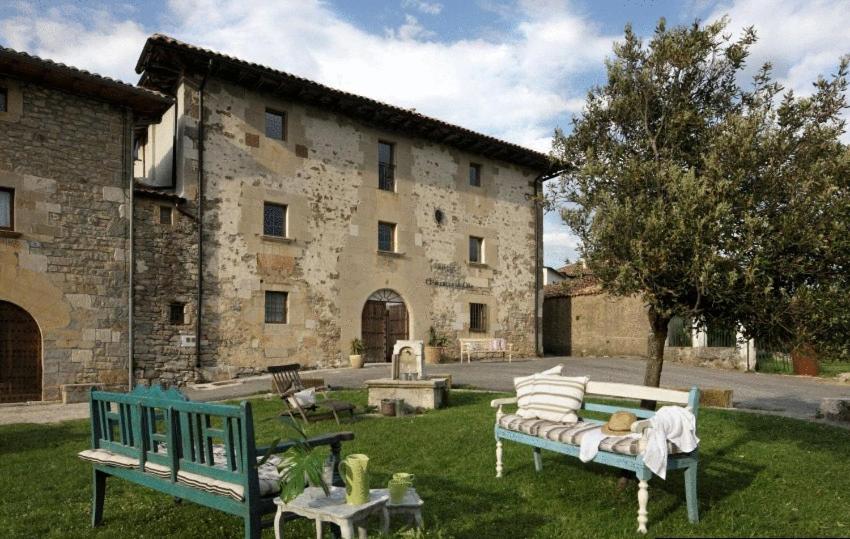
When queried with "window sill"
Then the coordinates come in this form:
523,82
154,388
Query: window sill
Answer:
277,239
482,265
276,323
392,254
387,191
9,234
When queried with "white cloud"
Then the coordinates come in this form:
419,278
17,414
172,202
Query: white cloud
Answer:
430,8
515,86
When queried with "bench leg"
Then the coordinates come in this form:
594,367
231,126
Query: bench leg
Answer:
691,493
498,457
98,495
253,529
643,498
538,460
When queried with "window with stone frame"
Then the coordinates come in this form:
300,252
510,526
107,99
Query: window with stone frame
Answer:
274,219
4,100
177,314
166,216
475,175
386,166
276,307
477,317
7,208
386,237
275,124
476,250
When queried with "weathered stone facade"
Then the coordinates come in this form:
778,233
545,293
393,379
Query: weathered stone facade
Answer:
326,173
66,261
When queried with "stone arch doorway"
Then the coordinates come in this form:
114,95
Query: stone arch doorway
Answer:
20,355
384,321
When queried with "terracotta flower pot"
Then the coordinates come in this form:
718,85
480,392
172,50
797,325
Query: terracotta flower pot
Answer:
356,361
433,354
804,359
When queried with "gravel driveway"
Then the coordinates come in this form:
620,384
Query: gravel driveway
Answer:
793,396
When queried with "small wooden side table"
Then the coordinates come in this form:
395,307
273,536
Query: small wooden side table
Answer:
313,504
410,505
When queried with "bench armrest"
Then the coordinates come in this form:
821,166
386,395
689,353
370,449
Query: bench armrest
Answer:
495,403
639,426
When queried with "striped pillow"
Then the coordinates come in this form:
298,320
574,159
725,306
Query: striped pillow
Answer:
551,397
524,385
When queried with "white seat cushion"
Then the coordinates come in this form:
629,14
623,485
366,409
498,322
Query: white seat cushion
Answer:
102,456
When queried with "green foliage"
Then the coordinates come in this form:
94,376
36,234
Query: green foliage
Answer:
712,202
357,347
437,339
300,465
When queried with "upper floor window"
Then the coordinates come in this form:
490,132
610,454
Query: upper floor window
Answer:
275,124
477,317
7,208
276,308
386,166
386,237
4,97
476,249
177,314
274,220
475,175
165,215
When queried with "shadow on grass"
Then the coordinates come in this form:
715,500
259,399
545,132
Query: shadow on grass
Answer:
26,437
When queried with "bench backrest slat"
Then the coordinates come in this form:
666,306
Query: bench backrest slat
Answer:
629,391
594,407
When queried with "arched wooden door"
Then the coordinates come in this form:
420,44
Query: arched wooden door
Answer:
384,321
20,355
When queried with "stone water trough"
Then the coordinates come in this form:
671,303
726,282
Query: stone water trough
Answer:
409,381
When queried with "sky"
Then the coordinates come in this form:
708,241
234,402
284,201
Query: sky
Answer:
513,69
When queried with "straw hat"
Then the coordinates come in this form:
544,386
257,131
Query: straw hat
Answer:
619,424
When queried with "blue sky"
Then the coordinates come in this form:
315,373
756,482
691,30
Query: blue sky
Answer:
515,69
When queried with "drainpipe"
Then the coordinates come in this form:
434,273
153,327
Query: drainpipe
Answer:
200,215
538,247
132,255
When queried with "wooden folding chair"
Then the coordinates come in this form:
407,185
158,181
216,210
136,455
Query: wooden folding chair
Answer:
287,381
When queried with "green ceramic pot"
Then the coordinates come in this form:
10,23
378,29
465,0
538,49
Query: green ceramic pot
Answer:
398,488
355,473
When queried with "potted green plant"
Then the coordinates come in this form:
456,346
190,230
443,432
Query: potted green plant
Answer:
436,342
356,356
299,466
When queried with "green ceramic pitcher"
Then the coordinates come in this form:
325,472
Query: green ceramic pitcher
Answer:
355,473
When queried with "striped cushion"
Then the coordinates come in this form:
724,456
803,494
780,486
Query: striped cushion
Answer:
572,433
550,396
102,456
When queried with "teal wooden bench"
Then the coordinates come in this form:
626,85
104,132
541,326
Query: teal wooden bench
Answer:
626,454
201,452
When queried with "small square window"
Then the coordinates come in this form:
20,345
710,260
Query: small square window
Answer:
386,166
177,314
474,175
476,249
4,98
7,208
165,215
276,307
274,220
477,317
386,237
275,125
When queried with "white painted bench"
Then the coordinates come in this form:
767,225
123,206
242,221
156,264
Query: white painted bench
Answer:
485,347
628,457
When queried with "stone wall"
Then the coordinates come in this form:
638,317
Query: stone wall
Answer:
166,272
67,158
703,356
595,325
326,173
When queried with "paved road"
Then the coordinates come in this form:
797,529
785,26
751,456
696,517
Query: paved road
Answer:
785,395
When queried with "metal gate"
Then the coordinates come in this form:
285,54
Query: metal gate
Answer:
20,355
384,321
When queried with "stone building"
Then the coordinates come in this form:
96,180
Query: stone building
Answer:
65,176
324,217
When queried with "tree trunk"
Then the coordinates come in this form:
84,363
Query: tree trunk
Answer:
652,376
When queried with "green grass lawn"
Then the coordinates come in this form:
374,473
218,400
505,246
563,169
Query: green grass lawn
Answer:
759,476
